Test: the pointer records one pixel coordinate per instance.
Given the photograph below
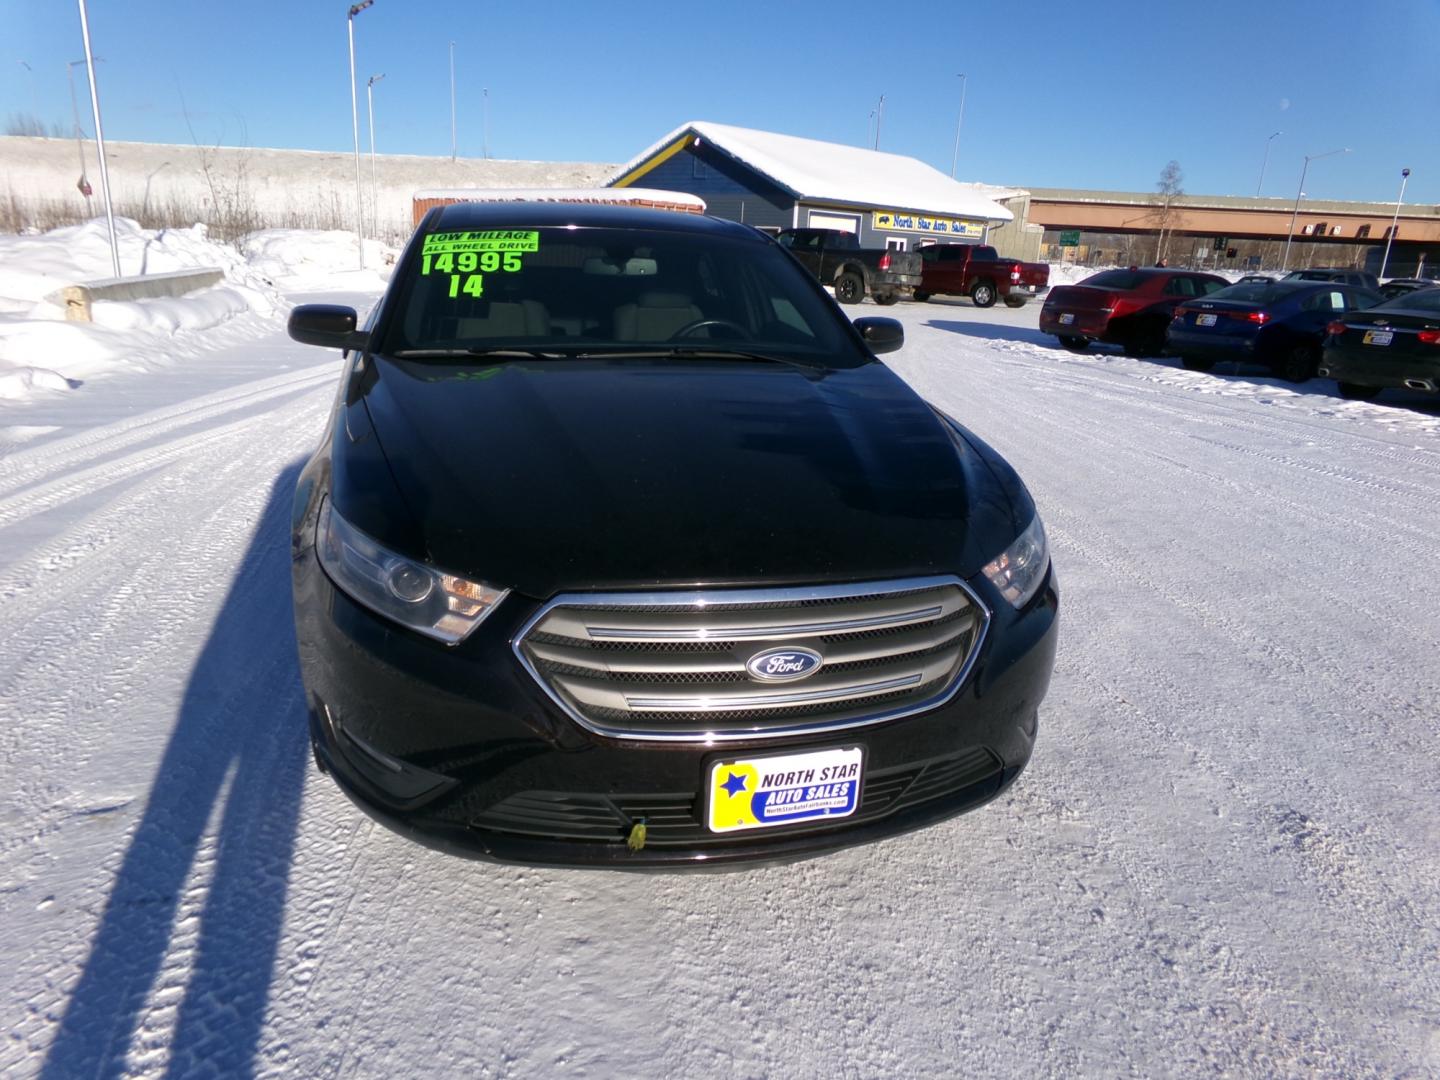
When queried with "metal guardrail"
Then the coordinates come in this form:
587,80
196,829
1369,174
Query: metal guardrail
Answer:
77,299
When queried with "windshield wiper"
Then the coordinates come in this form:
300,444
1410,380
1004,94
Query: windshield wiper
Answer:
495,354
690,353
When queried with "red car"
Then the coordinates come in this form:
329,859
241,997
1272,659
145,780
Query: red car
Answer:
1130,307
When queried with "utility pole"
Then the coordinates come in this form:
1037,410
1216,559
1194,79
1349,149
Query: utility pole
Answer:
1395,221
879,116
100,140
452,103
355,9
1265,162
374,190
1299,193
485,122
955,157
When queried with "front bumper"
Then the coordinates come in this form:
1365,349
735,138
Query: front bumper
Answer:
460,749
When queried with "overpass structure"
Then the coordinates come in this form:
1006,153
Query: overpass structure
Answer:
1237,217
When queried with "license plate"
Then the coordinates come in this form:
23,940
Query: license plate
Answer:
1378,337
1067,319
780,789
1205,320
1029,288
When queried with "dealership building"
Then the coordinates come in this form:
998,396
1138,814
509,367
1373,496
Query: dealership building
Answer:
777,181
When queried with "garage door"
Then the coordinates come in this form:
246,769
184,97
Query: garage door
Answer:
844,222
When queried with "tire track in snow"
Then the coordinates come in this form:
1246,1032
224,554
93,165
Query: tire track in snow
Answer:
26,466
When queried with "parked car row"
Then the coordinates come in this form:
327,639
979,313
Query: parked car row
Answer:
1323,321
1280,325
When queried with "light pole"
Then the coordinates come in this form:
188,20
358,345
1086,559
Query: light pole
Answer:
1290,234
955,157
879,116
100,139
452,103
1265,162
1395,221
485,122
355,9
374,191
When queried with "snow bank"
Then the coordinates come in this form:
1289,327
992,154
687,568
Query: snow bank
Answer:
310,258
40,352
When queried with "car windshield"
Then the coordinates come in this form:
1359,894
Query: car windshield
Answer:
560,291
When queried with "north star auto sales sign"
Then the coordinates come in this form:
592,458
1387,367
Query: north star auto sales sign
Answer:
896,221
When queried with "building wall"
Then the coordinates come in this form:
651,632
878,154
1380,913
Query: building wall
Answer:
1018,239
729,189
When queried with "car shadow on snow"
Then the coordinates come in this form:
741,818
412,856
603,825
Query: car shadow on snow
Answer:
1029,335
224,806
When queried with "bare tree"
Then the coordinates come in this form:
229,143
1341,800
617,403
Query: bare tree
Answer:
1169,186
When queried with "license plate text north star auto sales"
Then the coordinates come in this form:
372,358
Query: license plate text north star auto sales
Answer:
755,793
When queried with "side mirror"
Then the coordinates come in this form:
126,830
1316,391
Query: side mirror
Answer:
881,335
326,325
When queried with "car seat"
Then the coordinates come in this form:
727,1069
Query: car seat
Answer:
655,316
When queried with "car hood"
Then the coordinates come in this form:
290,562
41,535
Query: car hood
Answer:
554,475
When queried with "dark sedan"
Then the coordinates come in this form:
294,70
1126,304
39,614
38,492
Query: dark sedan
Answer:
622,549
1130,308
1395,345
1279,325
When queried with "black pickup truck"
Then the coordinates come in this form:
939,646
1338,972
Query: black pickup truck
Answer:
836,258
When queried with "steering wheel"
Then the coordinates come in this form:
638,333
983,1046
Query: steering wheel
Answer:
688,330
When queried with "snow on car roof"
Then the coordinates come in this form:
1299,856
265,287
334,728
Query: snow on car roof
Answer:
812,169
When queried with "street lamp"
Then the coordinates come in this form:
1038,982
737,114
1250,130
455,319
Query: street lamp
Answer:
1265,162
1300,191
879,116
355,9
374,191
1395,221
955,157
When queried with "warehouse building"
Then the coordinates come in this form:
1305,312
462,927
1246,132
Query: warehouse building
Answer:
776,182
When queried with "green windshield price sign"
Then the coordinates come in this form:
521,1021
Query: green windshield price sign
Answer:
493,240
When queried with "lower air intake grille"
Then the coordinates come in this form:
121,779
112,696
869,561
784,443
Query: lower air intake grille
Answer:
678,666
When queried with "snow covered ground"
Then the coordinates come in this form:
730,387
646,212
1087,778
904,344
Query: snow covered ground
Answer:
1224,858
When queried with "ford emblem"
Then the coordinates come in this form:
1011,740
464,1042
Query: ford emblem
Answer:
784,665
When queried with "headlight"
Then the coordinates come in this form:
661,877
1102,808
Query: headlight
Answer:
1018,570
428,601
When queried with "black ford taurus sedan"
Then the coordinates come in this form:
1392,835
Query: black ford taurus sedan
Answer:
621,548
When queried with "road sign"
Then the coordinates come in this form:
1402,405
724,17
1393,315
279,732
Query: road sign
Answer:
1070,239
1221,243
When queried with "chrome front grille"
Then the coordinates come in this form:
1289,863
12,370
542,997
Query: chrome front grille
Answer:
672,666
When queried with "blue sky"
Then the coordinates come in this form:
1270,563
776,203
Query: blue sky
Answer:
1088,94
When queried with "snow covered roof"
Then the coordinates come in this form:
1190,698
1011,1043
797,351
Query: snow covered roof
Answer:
676,200
815,170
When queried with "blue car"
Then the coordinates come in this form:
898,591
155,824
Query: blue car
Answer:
1279,325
